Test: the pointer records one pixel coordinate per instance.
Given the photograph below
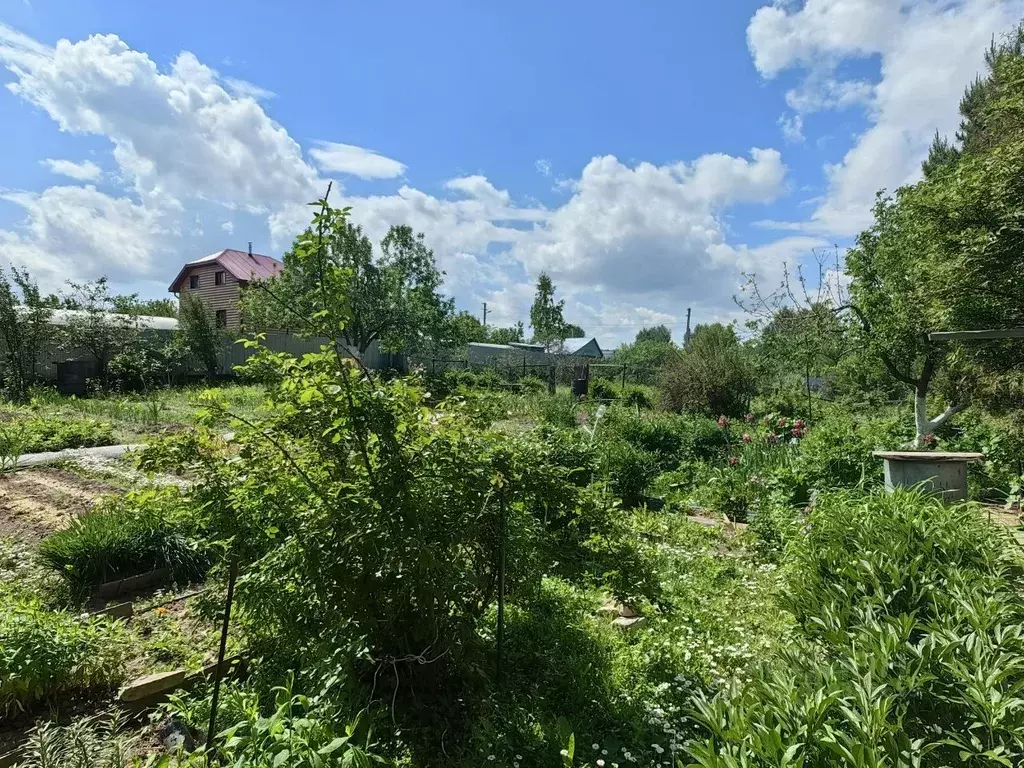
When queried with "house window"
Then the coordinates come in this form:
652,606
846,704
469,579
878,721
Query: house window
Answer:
218,278
193,282
222,318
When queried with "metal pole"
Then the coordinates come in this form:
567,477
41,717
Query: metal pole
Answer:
501,591
807,381
232,575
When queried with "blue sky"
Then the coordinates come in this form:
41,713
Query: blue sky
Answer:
645,157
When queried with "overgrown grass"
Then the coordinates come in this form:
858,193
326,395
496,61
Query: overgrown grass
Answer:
135,414
125,536
912,643
45,654
28,432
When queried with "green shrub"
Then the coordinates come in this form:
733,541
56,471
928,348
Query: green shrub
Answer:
128,535
713,376
703,439
635,397
602,390
837,453
1000,475
905,552
631,471
488,378
46,654
660,436
558,410
532,385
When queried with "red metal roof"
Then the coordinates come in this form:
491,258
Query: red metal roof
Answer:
243,266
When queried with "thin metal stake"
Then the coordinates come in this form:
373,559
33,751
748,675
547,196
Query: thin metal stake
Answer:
232,575
501,591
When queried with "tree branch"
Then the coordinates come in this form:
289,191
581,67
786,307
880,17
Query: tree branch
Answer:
890,366
946,415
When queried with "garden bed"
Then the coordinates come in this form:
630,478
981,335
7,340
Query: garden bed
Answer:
38,501
166,632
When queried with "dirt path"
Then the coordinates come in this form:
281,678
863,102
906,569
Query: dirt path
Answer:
37,502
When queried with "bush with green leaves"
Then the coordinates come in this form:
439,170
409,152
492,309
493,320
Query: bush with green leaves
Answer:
837,452
635,397
912,644
532,385
47,654
128,535
673,438
630,472
558,410
372,527
713,376
602,390
294,730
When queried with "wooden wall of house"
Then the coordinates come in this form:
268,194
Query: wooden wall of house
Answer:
217,297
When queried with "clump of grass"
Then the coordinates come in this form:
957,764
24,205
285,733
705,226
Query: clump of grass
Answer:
125,536
48,653
13,440
92,742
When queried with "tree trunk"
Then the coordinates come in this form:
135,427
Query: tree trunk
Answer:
923,426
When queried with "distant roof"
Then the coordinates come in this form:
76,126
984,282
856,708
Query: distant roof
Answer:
242,266
66,316
573,346
524,345
489,346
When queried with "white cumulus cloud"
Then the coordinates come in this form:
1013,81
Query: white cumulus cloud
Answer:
84,171
198,157
928,52
358,161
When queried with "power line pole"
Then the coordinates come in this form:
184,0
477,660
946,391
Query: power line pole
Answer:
686,336
485,315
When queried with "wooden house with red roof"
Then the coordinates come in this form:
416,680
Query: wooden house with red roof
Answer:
219,280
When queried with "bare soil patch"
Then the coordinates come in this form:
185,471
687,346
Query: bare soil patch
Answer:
38,501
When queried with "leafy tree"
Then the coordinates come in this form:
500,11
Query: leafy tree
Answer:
712,376
392,296
132,305
801,328
549,327
945,253
506,335
644,353
96,326
466,327
24,328
199,335
658,333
